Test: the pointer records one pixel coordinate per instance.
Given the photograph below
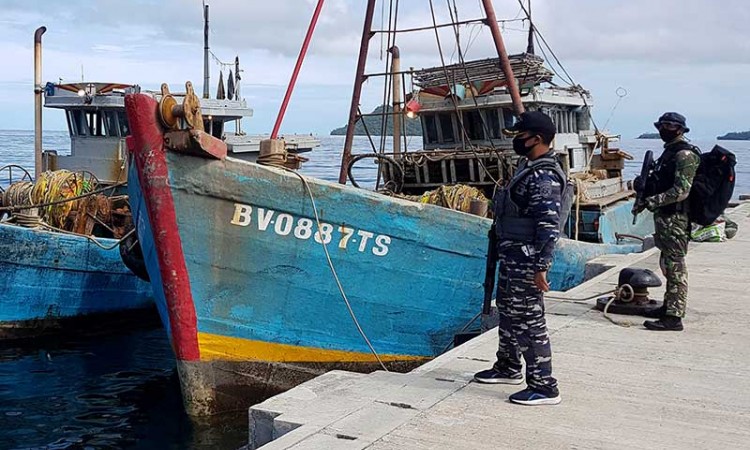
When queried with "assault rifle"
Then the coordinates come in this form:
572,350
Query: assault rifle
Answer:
639,184
489,276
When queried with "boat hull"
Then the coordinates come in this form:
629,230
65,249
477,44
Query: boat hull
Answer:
246,290
53,282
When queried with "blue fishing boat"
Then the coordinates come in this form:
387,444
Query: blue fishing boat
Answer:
54,281
265,278
60,230
66,272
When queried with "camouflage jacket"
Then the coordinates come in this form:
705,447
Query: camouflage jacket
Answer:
686,164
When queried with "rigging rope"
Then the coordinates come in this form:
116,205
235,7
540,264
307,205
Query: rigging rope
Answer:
386,82
459,117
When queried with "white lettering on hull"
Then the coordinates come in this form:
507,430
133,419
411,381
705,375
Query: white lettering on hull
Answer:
283,224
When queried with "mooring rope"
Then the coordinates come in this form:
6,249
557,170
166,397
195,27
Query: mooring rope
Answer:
333,270
615,295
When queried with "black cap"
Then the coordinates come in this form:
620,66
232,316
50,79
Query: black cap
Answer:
674,119
533,121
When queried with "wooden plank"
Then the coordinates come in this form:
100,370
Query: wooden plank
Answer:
608,200
601,188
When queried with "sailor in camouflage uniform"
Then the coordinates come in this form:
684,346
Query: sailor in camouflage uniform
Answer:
527,219
667,190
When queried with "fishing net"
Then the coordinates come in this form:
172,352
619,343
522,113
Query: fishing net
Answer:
458,197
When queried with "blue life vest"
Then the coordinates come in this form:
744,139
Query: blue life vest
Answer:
510,225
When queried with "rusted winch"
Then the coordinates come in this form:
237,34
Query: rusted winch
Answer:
184,128
631,296
170,112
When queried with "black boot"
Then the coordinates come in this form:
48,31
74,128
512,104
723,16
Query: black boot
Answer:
666,323
656,313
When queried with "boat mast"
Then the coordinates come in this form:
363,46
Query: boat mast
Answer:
238,122
364,47
297,68
396,76
515,96
206,77
38,89
530,45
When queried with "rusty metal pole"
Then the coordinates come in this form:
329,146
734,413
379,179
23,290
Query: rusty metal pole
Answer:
530,44
297,68
515,96
364,46
206,50
396,77
38,89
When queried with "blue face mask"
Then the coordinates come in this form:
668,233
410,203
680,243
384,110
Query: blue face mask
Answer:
519,146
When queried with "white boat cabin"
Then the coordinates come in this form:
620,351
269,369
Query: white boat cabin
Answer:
97,124
463,111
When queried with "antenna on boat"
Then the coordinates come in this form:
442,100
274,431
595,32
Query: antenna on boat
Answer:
530,45
206,77
237,78
38,89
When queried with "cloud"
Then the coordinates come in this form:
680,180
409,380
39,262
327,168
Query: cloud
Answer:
689,55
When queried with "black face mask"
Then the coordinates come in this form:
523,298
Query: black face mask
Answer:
519,146
668,135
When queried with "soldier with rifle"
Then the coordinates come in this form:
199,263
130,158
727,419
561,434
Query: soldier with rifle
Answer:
664,191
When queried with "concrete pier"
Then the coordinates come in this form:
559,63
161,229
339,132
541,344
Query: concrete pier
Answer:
622,387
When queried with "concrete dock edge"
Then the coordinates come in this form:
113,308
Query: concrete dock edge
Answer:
622,387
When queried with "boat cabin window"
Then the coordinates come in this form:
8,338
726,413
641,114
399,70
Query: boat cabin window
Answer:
492,119
97,123
78,124
430,128
112,124
473,125
446,128
439,128
508,118
124,127
565,121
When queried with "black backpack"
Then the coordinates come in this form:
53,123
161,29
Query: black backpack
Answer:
713,186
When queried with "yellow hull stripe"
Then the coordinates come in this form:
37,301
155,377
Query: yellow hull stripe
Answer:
216,347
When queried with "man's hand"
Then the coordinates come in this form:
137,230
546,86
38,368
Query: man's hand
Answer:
540,280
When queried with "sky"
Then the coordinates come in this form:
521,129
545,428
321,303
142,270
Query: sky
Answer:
690,56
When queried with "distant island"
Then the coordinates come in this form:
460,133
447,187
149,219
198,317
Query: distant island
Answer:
735,136
649,136
374,125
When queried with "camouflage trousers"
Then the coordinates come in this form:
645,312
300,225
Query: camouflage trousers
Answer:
671,236
522,328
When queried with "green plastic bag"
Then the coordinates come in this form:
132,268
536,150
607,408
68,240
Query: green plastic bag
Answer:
712,233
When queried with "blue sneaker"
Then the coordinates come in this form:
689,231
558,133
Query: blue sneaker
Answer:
534,397
494,376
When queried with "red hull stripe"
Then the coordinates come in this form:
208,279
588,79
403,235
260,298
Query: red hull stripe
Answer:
146,142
